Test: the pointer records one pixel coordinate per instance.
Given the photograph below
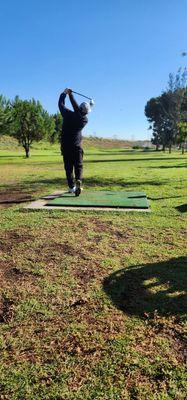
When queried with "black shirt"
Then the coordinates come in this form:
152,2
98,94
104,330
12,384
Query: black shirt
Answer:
73,122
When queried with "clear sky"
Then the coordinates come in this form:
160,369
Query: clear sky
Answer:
120,52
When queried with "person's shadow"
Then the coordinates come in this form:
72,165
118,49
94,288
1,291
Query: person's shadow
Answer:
145,289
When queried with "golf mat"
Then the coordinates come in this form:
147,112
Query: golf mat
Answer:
102,198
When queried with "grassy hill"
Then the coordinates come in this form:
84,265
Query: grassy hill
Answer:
9,143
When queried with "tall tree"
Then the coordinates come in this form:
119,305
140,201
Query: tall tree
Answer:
172,103
30,122
154,114
5,115
55,136
166,111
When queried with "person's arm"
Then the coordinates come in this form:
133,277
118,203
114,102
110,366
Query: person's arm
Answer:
73,101
61,103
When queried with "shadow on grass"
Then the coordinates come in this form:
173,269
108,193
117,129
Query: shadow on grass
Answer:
47,155
143,289
28,161
103,182
35,185
97,182
132,159
169,166
111,153
182,208
93,182
164,198
12,156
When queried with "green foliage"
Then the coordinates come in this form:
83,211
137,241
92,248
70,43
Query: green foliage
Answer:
49,124
177,81
154,114
166,111
5,115
55,136
30,122
182,135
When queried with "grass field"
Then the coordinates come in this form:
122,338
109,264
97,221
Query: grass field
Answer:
93,304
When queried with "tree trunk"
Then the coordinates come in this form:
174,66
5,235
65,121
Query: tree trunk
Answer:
169,148
157,147
27,151
182,147
164,147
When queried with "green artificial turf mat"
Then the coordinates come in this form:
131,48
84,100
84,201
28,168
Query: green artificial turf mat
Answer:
102,198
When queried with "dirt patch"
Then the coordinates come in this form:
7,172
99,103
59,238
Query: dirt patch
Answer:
49,252
9,197
67,249
170,329
6,310
15,274
10,272
84,274
179,347
101,226
18,236
5,266
9,239
109,228
12,276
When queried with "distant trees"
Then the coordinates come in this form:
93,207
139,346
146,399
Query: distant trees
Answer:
167,113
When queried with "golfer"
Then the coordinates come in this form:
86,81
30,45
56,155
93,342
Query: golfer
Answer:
73,123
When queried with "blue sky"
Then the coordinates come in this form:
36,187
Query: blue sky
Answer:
119,52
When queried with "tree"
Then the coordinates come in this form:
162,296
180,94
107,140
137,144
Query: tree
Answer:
56,134
171,117
5,115
154,114
182,136
30,122
49,124
172,103
166,112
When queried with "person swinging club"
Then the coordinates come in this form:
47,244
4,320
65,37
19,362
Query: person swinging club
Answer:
71,138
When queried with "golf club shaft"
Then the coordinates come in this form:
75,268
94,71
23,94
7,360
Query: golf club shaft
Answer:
86,97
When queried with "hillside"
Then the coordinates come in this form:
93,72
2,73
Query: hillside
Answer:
9,143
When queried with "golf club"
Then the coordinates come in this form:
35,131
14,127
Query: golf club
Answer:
86,97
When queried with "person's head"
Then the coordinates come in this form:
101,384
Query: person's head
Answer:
85,108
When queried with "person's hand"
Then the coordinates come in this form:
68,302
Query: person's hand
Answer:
66,91
69,91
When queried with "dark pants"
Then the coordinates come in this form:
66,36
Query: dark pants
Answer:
73,163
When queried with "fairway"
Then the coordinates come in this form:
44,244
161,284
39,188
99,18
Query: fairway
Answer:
93,305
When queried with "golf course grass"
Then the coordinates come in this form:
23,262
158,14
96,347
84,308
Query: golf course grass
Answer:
93,304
